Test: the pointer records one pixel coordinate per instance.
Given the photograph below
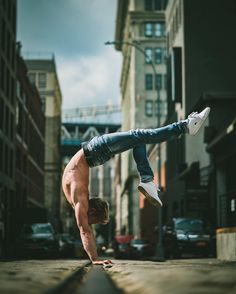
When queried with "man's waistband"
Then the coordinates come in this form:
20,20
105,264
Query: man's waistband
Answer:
87,154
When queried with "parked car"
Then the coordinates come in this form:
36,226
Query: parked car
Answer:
140,248
37,240
66,244
188,235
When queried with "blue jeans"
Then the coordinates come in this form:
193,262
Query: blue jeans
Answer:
101,148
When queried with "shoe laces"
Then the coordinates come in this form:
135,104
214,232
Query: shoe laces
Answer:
193,114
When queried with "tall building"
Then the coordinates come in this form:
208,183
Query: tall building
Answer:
140,36
201,72
30,145
7,119
43,74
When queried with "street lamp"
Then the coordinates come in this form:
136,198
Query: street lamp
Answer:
159,255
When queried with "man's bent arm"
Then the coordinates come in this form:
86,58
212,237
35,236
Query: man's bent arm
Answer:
86,232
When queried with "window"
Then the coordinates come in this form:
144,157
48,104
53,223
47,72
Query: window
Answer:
155,5
11,127
1,113
10,163
18,89
3,35
148,5
148,55
32,78
17,113
158,30
149,108
148,28
163,108
42,80
3,74
158,55
165,81
158,82
6,157
176,74
43,104
6,126
148,82
155,29
158,4
1,154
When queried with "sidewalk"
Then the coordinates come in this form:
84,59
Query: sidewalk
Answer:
195,276
34,276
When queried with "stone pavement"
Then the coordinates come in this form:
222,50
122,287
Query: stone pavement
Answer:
188,276
34,276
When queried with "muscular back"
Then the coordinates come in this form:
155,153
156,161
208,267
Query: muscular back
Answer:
75,179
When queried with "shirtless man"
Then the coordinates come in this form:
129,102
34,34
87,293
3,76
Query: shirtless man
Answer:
75,180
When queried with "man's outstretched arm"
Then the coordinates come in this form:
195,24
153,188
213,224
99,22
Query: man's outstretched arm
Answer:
86,233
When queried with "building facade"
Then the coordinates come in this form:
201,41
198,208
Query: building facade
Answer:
201,72
7,119
30,145
43,74
140,36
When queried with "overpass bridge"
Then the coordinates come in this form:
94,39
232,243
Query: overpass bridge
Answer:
73,134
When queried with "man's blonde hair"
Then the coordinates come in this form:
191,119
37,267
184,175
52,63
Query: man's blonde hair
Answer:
102,209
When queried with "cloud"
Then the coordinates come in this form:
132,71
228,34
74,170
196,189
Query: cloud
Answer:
87,81
75,31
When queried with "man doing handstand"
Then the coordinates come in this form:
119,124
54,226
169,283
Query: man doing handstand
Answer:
75,180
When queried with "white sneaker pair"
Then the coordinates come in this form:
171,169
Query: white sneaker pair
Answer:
194,123
150,191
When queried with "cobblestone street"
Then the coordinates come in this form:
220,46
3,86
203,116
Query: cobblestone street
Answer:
185,276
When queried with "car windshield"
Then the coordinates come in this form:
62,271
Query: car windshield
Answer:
42,229
189,224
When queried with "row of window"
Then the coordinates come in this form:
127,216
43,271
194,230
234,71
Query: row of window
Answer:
156,55
152,110
38,79
159,83
154,29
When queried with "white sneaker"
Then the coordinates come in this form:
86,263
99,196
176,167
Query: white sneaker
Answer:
195,120
149,190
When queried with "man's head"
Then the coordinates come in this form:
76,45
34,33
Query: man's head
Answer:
98,212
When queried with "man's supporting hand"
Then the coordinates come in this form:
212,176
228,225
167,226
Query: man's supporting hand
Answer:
102,262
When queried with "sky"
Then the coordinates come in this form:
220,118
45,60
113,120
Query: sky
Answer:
75,31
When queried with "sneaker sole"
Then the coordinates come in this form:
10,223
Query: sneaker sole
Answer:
150,199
